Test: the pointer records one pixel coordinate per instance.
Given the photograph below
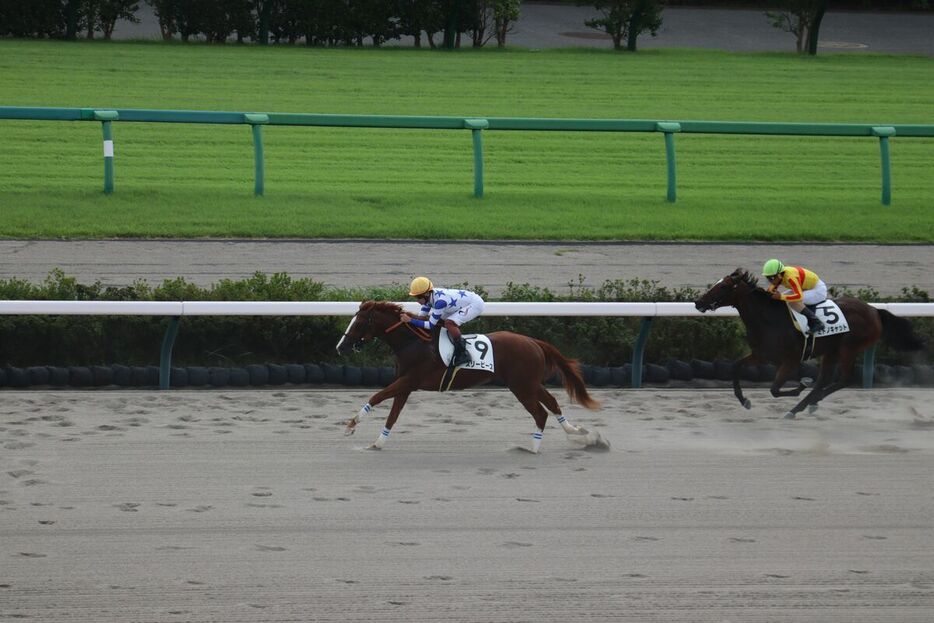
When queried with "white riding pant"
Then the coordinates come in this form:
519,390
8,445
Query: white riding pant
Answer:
466,314
817,294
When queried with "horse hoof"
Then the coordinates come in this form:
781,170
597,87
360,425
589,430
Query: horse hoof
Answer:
812,409
373,446
746,403
807,381
350,430
580,431
790,416
593,440
600,443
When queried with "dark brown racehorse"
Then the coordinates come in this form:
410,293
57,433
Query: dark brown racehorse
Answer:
521,362
774,339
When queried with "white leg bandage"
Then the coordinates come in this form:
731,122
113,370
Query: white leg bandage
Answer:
569,428
383,436
536,440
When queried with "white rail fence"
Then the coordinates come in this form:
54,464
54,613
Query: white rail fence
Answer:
177,309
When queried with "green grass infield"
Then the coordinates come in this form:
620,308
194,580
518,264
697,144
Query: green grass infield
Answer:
183,180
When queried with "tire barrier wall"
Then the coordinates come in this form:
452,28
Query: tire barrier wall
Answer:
673,372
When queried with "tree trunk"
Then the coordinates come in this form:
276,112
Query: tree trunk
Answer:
71,20
502,27
451,28
634,28
90,18
264,15
814,27
166,27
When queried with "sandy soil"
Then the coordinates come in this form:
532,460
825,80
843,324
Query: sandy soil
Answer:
252,506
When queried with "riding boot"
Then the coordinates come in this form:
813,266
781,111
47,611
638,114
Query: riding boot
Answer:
815,324
461,356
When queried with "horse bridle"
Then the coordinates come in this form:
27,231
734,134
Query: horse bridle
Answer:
717,304
368,334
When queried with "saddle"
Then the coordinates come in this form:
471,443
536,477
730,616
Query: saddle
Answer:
832,317
829,313
478,346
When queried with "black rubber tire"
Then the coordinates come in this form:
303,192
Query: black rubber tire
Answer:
259,374
197,376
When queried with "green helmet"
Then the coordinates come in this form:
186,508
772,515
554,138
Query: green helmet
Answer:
772,268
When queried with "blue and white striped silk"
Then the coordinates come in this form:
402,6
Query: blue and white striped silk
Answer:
444,303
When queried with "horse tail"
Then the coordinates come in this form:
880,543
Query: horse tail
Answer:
570,372
898,333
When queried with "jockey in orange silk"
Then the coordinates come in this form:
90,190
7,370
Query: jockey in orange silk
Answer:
805,288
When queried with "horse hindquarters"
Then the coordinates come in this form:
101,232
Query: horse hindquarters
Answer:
898,333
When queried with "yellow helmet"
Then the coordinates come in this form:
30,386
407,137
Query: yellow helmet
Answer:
420,285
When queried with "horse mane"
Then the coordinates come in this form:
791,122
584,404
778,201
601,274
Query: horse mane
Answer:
741,274
381,306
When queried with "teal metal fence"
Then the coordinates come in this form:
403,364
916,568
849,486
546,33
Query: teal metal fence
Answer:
476,125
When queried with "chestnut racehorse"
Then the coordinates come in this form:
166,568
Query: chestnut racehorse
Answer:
521,363
774,339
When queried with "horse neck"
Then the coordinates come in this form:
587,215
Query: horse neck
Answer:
753,307
400,339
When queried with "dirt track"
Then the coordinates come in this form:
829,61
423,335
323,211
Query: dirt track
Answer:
252,506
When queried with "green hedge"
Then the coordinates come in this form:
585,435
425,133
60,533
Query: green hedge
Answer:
240,340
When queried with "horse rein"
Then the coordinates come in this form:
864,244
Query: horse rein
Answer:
421,334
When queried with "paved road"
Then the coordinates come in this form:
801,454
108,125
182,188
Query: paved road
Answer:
555,26
489,264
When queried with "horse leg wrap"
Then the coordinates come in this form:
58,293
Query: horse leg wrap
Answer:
569,428
352,424
381,440
536,441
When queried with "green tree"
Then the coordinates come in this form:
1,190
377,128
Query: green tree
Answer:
103,15
458,16
167,13
264,11
417,16
505,15
492,18
802,18
626,19
38,19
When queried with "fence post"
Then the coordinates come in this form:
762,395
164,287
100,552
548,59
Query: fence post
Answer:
256,121
476,126
106,117
669,128
884,133
165,356
638,352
